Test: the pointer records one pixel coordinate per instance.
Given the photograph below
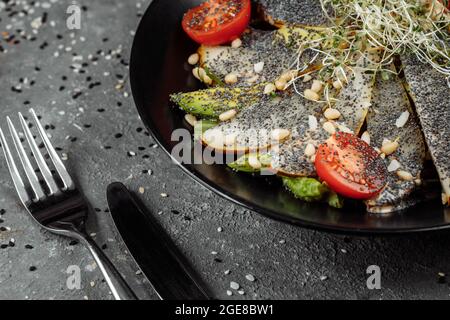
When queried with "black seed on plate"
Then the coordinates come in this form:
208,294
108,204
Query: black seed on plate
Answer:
3,229
145,156
100,109
89,79
106,210
97,209
64,78
218,260
32,268
26,102
73,139
2,212
145,171
73,243
139,129
1,220
104,246
107,147
119,104
105,39
28,246
56,148
141,148
32,82
118,135
87,125
76,95
62,88
175,211
11,243
187,218
84,8
59,37
4,246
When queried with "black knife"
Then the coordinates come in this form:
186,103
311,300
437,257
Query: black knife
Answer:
154,252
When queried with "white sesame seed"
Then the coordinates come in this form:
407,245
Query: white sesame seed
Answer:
250,277
402,119
366,137
191,119
229,293
258,67
312,122
234,285
389,147
329,127
141,190
310,150
164,195
405,175
279,134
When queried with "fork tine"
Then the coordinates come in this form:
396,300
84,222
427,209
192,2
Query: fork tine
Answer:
17,180
59,166
28,168
38,157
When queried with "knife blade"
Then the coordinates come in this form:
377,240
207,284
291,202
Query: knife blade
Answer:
159,259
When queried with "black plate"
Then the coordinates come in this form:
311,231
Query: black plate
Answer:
158,68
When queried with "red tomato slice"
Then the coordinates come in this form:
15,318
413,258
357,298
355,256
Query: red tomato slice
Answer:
216,22
350,166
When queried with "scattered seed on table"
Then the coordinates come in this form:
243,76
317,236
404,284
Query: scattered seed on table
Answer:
12,242
229,293
282,241
164,195
323,278
241,292
29,246
138,272
141,190
343,250
104,246
234,285
32,268
175,211
250,277
219,229
4,246
213,252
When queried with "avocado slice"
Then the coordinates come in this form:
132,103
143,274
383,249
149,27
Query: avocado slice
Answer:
210,103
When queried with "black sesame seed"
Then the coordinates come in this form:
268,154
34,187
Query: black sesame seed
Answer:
29,246
175,211
32,268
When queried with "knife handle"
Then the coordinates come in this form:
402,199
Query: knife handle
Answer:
119,288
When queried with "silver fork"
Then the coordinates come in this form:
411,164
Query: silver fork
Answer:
54,202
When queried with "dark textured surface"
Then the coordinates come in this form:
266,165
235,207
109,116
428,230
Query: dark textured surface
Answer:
287,262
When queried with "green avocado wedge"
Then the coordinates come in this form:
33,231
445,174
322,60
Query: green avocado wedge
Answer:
210,103
242,164
311,190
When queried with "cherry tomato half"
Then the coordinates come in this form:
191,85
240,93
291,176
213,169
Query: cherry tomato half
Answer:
216,22
350,166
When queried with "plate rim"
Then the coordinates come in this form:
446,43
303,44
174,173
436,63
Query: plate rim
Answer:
191,173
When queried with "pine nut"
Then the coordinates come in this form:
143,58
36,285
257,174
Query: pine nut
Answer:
280,84
254,162
193,58
196,73
231,78
207,79
329,127
311,95
310,150
258,67
394,166
306,78
366,137
405,175
236,43
269,88
279,134
288,75
316,86
253,79
332,114
337,84
227,115
191,119
202,73
389,147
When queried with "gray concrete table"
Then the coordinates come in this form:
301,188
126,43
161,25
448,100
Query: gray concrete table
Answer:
77,80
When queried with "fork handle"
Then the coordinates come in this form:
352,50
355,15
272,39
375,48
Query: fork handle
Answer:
116,283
